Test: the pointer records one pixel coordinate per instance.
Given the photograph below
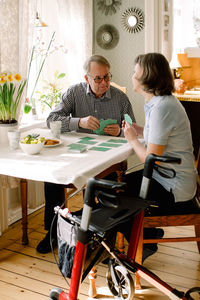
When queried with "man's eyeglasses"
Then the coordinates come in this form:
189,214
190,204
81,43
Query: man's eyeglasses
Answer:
98,79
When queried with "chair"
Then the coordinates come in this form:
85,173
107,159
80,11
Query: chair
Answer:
121,88
171,220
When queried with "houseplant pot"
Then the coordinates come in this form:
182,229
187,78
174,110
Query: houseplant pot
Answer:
11,89
4,128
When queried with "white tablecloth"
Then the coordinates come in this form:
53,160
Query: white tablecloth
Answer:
57,165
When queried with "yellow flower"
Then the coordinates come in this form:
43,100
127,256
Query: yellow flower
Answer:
10,78
17,77
11,90
2,79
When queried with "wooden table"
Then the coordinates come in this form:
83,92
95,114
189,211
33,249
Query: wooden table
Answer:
56,165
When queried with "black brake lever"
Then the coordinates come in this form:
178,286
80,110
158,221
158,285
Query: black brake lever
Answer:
107,200
156,167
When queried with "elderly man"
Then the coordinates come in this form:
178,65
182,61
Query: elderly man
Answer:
81,108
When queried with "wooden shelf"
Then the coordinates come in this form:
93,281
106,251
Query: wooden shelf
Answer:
188,97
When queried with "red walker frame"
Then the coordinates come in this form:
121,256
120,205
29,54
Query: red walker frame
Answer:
126,261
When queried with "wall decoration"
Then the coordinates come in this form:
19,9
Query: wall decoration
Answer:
108,7
107,36
133,20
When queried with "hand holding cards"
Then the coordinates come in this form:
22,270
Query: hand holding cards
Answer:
128,119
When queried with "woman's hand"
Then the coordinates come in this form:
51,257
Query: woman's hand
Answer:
130,132
139,129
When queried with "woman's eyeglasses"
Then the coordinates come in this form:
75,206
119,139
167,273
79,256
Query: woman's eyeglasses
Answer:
98,79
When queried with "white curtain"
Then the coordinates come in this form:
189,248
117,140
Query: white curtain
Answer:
27,13
75,21
71,20
16,19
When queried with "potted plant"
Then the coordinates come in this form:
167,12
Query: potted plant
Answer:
52,91
11,89
39,54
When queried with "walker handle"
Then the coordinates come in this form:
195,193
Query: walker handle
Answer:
94,184
152,158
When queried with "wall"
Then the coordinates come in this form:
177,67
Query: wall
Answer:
10,203
122,56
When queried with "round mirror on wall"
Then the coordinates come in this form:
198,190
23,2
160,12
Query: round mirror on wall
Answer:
133,20
107,36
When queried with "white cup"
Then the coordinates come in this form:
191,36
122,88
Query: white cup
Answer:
13,139
55,127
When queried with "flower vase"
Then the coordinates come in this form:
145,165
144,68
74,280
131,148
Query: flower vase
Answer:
34,112
4,128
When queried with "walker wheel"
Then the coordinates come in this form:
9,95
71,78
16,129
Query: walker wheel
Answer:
54,294
193,293
120,282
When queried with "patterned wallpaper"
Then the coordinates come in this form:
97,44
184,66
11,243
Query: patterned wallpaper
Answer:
9,35
122,56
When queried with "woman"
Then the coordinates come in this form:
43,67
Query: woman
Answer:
166,132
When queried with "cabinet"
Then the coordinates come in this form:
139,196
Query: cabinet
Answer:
191,103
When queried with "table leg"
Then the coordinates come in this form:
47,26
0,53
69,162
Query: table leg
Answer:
138,259
92,286
120,236
23,188
67,194
120,242
120,172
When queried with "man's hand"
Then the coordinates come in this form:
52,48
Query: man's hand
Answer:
89,123
113,129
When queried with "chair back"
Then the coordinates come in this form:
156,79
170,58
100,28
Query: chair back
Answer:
198,177
121,88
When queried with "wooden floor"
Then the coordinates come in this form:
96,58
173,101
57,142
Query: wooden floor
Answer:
28,275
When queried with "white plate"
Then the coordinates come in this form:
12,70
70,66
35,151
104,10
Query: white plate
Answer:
50,146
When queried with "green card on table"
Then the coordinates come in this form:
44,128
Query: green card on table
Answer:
99,149
77,148
87,138
118,141
87,142
111,145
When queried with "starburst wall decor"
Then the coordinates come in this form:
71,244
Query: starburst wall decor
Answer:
108,7
133,20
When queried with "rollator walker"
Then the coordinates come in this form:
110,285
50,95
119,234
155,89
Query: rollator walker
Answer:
96,227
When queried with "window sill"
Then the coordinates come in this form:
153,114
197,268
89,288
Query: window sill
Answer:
32,124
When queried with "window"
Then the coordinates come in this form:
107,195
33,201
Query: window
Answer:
72,44
186,24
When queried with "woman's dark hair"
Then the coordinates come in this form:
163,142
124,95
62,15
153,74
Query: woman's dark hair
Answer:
157,77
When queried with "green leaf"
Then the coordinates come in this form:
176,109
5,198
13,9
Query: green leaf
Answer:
27,108
61,75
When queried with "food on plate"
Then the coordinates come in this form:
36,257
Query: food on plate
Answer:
49,142
32,139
